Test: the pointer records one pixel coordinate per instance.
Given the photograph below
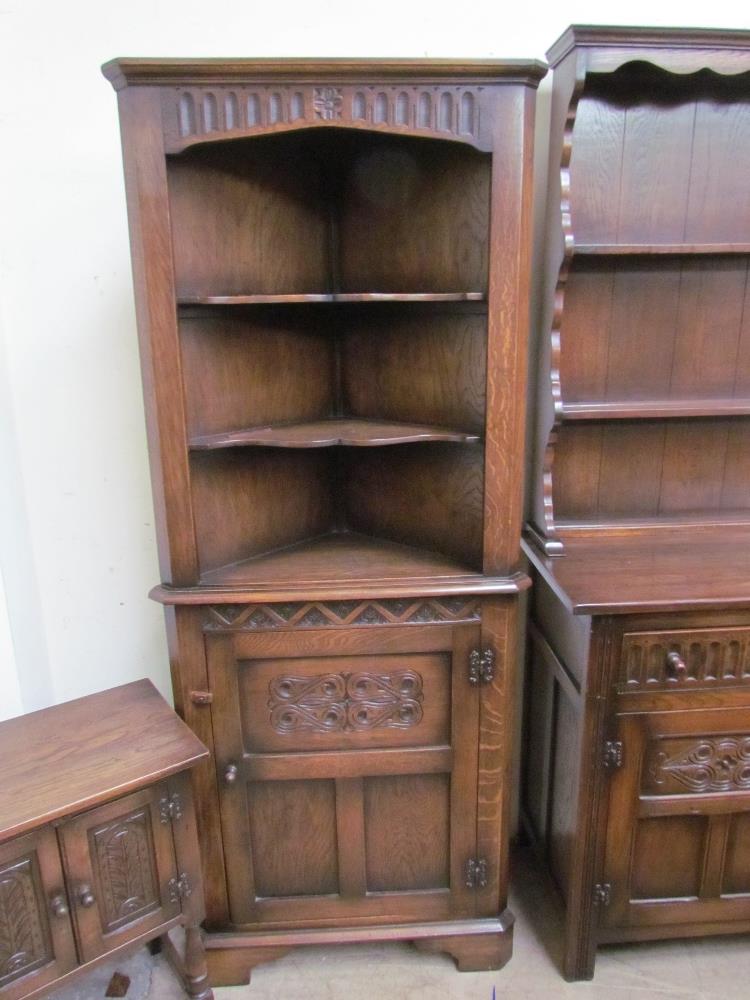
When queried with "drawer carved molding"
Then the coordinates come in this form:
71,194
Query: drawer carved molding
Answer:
124,854
339,614
23,943
712,657
710,765
335,703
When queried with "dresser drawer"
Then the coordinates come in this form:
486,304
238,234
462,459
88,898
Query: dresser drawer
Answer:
685,658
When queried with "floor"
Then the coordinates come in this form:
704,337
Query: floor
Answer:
689,970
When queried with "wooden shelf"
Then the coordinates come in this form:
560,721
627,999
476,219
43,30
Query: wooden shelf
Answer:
648,249
655,409
341,558
687,519
353,433
313,298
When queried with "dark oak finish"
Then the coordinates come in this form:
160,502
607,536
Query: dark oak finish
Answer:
334,370
98,842
637,711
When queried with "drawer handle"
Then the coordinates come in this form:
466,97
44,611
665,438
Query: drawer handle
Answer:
676,666
85,896
230,774
59,905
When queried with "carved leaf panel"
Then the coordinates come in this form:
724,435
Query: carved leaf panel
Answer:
24,933
123,853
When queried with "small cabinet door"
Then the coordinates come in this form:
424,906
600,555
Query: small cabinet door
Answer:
347,766
36,936
678,828
121,870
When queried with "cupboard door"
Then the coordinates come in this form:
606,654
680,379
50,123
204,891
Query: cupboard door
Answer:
678,832
348,773
121,871
36,936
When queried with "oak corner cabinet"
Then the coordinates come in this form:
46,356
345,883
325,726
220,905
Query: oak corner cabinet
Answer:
331,264
98,844
637,747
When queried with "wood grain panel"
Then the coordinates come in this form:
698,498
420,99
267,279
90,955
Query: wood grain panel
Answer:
407,832
255,368
586,331
293,834
595,170
424,367
668,857
719,205
414,216
251,500
246,219
563,806
430,496
737,858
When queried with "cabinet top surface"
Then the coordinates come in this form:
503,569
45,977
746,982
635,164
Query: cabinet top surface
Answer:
73,756
173,72
695,569
620,36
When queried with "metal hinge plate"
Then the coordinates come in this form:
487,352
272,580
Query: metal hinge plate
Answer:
476,873
613,754
481,666
179,888
170,808
602,893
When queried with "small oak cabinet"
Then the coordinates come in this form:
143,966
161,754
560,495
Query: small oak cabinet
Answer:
331,263
77,884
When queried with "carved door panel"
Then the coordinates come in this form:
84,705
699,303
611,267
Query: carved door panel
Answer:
36,935
121,870
678,840
348,772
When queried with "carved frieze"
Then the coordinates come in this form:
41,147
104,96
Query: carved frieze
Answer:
340,614
708,764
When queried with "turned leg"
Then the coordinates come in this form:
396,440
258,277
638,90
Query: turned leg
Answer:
196,972
472,952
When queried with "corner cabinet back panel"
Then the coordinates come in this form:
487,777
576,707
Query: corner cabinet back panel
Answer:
342,775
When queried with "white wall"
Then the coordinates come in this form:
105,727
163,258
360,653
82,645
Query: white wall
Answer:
77,550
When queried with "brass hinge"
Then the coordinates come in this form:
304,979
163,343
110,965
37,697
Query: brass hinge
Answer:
179,888
602,893
201,697
613,754
481,666
476,873
170,808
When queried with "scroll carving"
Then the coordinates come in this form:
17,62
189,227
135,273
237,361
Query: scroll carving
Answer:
718,764
336,703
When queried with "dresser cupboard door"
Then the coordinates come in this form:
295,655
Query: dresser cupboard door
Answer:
121,870
678,829
347,765
36,935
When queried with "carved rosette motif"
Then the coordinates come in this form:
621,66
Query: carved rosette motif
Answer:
336,703
716,764
200,114
124,856
23,938
340,614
